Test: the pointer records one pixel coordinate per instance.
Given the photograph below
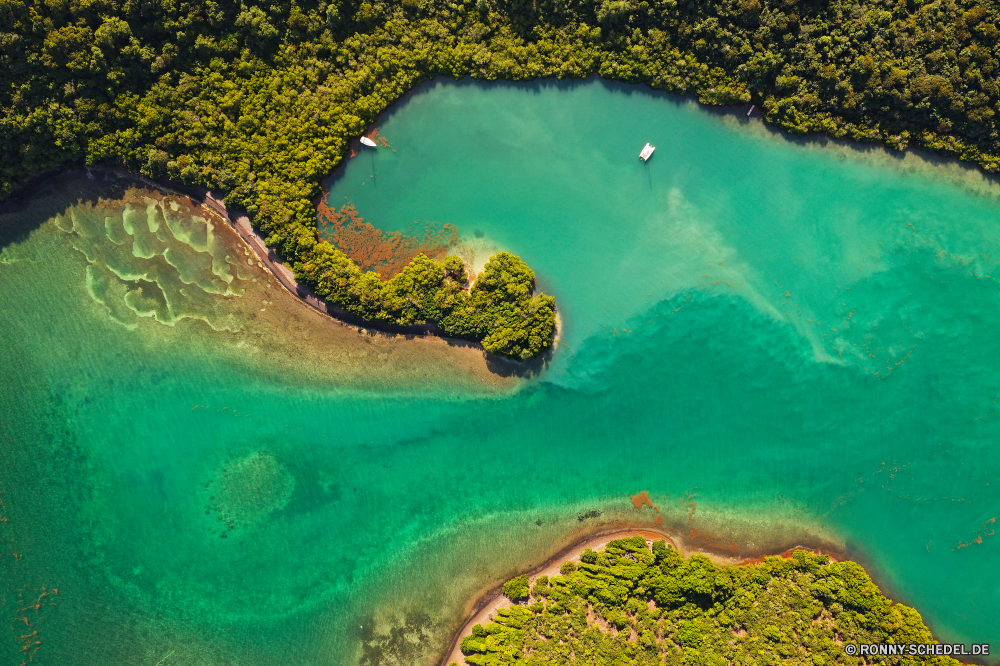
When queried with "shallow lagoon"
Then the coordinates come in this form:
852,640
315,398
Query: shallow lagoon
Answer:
780,340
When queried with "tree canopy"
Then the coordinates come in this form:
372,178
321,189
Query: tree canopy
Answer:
503,315
630,604
516,589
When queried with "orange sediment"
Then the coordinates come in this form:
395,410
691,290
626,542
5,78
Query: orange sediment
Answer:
374,250
23,598
641,499
378,138
985,530
645,534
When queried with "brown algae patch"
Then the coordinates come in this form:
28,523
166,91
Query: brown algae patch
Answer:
248,490
641,499
372,249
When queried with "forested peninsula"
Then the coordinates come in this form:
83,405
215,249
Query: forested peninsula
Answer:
632,604
260,99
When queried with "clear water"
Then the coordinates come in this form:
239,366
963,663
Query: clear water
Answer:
782,341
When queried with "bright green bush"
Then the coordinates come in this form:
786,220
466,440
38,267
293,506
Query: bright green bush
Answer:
516,589
499,310
780,611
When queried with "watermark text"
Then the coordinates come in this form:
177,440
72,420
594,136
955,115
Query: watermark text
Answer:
917,649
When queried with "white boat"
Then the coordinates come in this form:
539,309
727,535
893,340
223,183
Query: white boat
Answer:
647,152
368,142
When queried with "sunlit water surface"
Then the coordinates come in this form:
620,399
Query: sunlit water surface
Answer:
782,341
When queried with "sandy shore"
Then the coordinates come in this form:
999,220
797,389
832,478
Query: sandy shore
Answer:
286,277
269,260
492,600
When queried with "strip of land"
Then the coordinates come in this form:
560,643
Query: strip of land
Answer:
646,604
492,600
267,257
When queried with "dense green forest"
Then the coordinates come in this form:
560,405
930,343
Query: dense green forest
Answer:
260,98
499,310
629,605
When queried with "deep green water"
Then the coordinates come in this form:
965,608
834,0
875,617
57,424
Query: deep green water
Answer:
799,336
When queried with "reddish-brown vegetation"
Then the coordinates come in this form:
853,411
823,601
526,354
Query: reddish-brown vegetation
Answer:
25,603
641,499
372,249
707,541
378,138
986,529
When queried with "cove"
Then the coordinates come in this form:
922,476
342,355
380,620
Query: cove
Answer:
780,340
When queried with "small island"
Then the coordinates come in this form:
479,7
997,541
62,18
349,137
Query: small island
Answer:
499,310
639,601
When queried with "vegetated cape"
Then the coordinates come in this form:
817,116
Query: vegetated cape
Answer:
631,605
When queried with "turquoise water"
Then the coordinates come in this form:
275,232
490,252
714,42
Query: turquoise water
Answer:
782,341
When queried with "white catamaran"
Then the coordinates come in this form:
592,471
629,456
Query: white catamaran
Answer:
647,152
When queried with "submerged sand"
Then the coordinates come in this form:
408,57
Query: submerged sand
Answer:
213,286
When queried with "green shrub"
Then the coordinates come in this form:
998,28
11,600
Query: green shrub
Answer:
516,589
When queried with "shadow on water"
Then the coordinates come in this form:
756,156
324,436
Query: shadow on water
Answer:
963,172
48,195
503,367
530,87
